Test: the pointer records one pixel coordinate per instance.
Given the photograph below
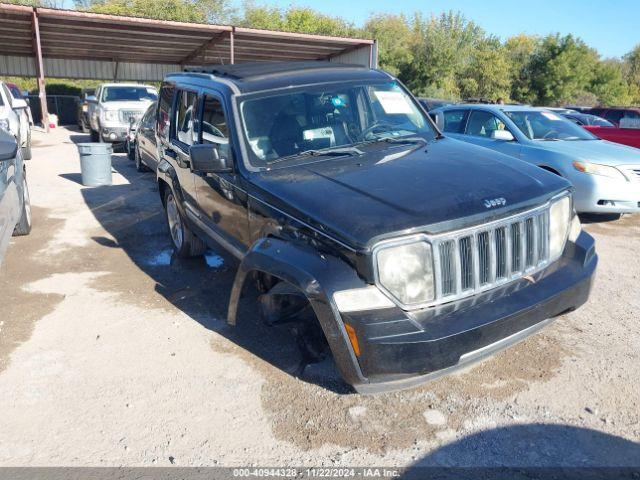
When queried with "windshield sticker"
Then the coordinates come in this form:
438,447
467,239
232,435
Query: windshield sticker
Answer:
394,102
551,116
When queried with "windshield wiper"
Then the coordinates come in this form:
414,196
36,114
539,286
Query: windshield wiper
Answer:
323,152
395,140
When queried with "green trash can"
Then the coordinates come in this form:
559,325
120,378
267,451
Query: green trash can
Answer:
95,163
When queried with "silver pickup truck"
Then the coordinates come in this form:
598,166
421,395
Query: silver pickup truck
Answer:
114,106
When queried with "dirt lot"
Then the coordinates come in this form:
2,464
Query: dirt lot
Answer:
114,353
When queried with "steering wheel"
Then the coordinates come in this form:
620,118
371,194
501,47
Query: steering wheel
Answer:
548,134
379,125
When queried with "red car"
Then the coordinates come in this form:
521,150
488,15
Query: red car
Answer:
615,114
605,129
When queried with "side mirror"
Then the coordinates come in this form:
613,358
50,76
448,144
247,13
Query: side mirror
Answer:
211,158
19,104
504,135
8,146
91,98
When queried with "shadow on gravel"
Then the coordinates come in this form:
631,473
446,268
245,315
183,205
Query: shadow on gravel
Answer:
587,218
133,215
532,451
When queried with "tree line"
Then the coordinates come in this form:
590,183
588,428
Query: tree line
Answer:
445,56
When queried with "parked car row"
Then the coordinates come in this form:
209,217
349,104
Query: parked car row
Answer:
605,175
110,111
403,252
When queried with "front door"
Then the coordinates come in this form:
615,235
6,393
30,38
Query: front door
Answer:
221,199
182,136
480,129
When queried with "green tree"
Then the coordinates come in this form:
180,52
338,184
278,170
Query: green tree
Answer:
561,69
488,73
295,19
610,85
632,73
444,63
395,37
211,11
520,50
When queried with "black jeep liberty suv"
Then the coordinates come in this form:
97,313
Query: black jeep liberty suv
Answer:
405,253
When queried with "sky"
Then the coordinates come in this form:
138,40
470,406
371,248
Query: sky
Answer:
612,28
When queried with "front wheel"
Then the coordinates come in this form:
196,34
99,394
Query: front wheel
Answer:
185,243
24,225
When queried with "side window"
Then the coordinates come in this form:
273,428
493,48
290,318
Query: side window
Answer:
483,124
184,117
150,116
613,115
7,94
165,103
454,121
214,124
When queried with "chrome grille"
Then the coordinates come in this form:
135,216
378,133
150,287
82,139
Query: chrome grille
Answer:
126,115
481,258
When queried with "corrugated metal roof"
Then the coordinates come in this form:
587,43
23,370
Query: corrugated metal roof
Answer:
90,45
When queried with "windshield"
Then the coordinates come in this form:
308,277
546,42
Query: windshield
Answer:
597,121
129,94
541,125
290,124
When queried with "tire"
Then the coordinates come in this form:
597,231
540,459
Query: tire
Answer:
95,136
24,225
26,150
185,243
140,167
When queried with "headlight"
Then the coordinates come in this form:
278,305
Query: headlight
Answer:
109,115
4,124
559,220
406,272
596,169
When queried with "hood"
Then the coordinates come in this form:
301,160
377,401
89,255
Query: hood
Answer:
392,189
141,105
596,151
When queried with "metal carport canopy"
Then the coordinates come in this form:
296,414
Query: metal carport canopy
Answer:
97,38
45,42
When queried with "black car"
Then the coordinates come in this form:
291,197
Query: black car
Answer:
141,142
403,253
587,119
15,206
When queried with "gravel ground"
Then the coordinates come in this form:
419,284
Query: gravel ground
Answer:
114,353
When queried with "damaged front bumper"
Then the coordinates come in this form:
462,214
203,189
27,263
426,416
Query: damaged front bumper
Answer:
399,349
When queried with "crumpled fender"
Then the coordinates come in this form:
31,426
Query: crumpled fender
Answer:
317,275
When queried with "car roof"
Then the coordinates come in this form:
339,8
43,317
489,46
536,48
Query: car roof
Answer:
494,107
127,85
255,76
